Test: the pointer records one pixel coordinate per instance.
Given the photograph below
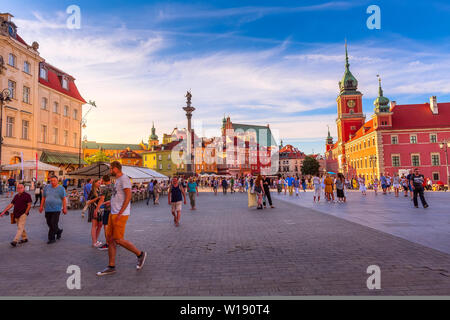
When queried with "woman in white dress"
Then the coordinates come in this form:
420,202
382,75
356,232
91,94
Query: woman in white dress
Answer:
317,183
396,184
362,185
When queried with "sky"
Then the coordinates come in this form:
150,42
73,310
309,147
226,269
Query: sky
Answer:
259,62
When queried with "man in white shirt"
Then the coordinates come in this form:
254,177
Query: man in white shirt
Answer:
120,211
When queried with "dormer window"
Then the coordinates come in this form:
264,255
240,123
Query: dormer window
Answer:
65,83
43,73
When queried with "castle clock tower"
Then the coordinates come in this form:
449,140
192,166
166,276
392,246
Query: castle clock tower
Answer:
349,105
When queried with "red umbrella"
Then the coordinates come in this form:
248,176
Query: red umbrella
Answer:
440,183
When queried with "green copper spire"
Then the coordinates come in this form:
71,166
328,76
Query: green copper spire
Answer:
348,82
381,102
153,135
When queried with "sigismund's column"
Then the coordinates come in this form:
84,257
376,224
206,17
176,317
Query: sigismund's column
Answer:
189,109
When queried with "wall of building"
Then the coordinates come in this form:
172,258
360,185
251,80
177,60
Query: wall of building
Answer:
424,148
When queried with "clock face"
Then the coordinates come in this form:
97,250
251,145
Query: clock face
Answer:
11,31
351,103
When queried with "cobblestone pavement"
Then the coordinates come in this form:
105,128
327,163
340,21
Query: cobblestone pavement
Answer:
224,249
397,216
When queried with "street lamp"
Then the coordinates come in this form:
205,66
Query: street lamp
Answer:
5,96
444,145
373,161
83,126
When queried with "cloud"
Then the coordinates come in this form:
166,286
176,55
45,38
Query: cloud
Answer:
139,77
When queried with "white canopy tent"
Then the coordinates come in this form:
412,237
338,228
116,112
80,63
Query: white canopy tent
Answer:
137,174
30,165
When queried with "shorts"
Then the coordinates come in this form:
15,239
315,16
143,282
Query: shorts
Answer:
106,214
116,227
396,185
11,188
383,186
176,206
317,191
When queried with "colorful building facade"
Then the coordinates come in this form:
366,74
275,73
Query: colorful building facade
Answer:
397,138
43,118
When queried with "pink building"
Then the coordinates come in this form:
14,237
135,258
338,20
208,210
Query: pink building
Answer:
413,139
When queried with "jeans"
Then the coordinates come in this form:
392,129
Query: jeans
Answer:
37,196
150,196
52,222
419,191
192,199
269,198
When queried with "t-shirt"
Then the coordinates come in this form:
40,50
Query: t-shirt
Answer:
383,180
290,181
296,183
11,182
53,198
417,180
65,182
20,202
316,182
192,187
106,191
150,187
339,184
87,190
118,195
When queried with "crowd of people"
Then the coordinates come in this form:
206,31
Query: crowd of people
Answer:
107,204
414,184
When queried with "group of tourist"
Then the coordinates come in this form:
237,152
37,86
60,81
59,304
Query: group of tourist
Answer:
414,183
108,205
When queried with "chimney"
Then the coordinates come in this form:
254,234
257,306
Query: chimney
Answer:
392,105
433,105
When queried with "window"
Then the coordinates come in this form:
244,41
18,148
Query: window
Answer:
9,127
66,137
395,160
75,114
415,160
168,166
44,104
436,176
65,83
55,107
12,59
159,157
55,135
25,128
435,159
44,133
433,138
413,138
394,139
43,73
12,88
160,166
26,94
27,67
75,140
66,111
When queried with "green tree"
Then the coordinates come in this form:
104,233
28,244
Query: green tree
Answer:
310,166
100,156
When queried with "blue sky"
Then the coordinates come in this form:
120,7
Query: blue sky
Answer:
260,62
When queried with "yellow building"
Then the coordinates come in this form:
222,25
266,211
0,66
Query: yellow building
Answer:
160,160
43,117
112,150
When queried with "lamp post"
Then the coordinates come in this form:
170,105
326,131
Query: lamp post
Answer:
83,126
5,96
189,109
444,145
373,161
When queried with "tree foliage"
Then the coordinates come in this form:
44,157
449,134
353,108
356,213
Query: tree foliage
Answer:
100,156
310,166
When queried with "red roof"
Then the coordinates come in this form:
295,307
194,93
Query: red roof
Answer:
54,81
290,152
419,116
365,129
19,38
